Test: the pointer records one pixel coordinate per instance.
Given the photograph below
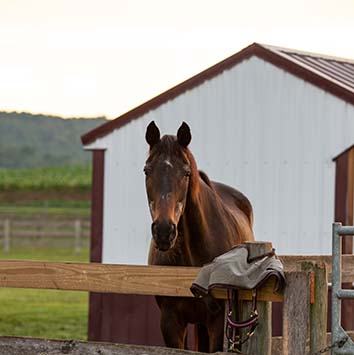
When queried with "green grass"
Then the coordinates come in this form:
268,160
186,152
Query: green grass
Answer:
30,210
52,178
46,254
49,204
44,313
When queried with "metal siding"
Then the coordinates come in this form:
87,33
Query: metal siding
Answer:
255,127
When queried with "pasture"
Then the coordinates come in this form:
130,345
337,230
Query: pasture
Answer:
44,313
49,208
28,194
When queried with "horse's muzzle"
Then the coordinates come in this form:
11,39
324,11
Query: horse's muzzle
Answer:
164,234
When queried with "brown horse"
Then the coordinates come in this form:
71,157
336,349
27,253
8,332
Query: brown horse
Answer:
194,220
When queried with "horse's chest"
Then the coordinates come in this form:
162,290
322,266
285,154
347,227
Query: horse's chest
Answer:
170,258
190,310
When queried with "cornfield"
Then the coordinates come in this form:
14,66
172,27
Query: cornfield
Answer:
51,178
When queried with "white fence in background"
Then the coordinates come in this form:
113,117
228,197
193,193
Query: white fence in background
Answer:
40,232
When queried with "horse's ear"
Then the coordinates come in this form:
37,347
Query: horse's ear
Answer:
152,135
184,136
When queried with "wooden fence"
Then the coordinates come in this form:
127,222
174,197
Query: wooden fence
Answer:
304,299
41,232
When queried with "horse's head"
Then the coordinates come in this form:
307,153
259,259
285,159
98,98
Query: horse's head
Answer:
168,171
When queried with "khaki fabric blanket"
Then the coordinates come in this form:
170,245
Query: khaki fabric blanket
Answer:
233,270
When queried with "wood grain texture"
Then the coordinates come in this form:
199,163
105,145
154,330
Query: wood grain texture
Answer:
160,280
124,279
261,341
318,309
292,263
296,313
258,248
127,279
95,277
32,346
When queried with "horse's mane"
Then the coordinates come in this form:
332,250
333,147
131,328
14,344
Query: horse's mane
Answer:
194,184
206,179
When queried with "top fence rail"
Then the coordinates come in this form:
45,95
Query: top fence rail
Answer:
12,230
345,230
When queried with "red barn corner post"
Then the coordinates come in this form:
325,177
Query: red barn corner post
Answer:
95,299
344,200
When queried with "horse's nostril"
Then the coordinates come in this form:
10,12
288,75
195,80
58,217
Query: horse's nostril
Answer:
154,229
172,232
163,229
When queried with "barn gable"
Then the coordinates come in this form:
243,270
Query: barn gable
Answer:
334,75
274,136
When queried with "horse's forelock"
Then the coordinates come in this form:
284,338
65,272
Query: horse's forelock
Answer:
169,147
166,146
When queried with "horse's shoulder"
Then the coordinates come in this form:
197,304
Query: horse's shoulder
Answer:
230,195
223,188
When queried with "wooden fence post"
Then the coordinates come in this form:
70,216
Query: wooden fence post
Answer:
39,230
296,312
318,308
261,341
77,236
7,233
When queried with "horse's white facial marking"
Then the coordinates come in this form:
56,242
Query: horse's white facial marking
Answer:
168,163
179,210
151,207
166,196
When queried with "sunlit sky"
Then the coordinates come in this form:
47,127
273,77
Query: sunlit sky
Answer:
104,57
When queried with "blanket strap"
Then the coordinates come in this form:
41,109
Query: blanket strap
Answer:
233,326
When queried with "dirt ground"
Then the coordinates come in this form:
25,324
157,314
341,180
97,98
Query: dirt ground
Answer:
31,346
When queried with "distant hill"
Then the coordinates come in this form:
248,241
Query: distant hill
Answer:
28,140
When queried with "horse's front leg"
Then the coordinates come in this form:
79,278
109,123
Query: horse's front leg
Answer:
216,331
173,328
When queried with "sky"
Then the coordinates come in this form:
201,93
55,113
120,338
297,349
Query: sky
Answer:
102,58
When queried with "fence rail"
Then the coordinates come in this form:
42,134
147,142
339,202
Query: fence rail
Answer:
11,231
301,292
135,279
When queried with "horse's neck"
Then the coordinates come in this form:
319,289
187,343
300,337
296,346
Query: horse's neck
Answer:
207,227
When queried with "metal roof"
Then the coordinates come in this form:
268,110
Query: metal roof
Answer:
338,70
334,75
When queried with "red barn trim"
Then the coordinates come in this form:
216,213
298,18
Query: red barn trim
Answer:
96,299
97,205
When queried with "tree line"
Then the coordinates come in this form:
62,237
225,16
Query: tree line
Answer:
29,140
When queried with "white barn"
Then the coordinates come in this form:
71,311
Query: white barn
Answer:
277,124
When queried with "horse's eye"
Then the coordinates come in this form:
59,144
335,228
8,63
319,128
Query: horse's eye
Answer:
146,171
187,173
